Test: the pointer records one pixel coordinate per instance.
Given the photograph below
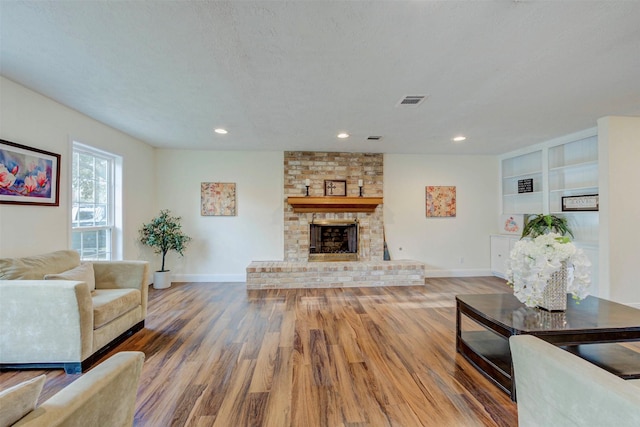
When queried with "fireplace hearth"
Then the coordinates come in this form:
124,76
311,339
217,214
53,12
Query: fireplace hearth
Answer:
333,240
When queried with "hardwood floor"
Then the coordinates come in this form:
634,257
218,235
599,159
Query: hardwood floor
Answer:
218,355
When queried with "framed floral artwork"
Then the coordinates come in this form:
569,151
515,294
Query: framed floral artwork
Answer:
441,201
28,176
218,199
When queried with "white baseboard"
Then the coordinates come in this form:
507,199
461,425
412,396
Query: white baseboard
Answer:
218,278
458,273
210,278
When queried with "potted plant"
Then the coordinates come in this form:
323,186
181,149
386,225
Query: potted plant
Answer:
544,265
164,234
543,224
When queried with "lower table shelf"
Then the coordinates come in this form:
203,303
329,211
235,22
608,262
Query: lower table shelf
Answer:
491,355
615,358
491,347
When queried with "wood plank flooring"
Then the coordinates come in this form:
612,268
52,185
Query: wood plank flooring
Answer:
218,355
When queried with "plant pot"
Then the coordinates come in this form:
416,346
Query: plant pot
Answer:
162,279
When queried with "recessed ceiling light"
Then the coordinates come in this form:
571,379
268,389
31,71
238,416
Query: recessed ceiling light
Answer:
459,138
343,135
221,131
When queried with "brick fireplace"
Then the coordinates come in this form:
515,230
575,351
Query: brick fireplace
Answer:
347,238
318,167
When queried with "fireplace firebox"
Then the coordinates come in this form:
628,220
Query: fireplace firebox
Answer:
333,240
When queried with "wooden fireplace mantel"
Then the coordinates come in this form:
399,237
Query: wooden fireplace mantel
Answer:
334,204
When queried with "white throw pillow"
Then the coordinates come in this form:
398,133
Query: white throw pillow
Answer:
19,400
83,273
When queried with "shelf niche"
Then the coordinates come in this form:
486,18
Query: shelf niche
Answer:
334,204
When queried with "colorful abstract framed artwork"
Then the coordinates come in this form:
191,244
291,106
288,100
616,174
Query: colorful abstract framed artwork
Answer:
28,176
218,199
441,201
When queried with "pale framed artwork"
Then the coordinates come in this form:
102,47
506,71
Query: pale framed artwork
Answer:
581,203
441,201
218,199
28,176
511,224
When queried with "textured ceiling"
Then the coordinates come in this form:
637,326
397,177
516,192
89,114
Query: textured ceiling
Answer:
288,75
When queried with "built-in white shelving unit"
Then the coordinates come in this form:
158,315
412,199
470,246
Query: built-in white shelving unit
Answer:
566,166
514,169
560,168
573,171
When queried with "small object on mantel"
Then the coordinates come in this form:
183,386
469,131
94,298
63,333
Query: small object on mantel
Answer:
307,183
360,185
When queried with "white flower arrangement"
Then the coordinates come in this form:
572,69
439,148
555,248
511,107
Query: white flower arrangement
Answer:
533,261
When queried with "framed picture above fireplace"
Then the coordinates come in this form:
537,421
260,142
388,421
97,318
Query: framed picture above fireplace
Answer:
334,187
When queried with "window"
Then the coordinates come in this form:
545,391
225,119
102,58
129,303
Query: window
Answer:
93,201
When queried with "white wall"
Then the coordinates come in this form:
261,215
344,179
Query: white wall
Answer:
619,154
223,246
31,119
449,246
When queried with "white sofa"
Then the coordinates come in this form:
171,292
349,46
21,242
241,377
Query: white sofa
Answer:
63,321
104,396
557,388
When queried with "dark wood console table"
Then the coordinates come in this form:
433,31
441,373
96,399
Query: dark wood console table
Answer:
588,328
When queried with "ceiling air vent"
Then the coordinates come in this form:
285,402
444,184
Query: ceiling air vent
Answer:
374,138
411,100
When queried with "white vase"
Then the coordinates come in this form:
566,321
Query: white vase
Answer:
162,279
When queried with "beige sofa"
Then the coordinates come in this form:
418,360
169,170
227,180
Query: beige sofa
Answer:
50,315
104,396
557,388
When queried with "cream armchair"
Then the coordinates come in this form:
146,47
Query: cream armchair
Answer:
104,396
557,388
57,312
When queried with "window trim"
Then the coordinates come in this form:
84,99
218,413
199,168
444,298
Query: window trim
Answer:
114,197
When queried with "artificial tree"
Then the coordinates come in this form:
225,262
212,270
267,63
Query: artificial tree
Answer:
164,233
